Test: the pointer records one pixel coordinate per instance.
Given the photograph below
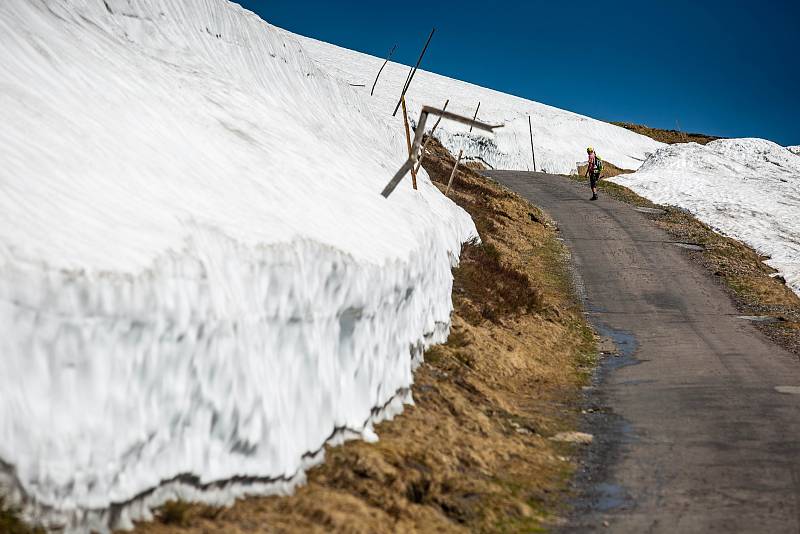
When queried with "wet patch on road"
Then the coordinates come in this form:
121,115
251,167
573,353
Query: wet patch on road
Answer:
596,492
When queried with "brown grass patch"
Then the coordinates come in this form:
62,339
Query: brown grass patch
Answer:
472,454
609,170
667,136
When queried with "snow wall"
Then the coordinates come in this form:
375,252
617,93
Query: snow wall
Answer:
748,189
199,281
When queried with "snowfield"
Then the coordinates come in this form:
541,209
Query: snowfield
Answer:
199,279
560,137
748,189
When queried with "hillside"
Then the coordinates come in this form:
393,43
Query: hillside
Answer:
560,137
669,137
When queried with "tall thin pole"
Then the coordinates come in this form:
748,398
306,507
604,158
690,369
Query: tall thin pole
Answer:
391,52
533,154
408,142
413,71
460,153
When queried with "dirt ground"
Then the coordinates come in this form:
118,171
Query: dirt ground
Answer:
474,453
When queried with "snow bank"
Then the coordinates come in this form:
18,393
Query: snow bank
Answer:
199,281
560,137
748,189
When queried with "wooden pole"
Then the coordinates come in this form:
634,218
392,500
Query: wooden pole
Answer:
408,141
453,173
683,135
413,71
460,153
428,140
391,52
533,154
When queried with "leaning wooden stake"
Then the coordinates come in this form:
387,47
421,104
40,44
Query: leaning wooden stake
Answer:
533,154
391,52
428,140
460,153
413,71
408,141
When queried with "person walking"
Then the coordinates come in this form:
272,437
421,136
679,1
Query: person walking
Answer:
593,171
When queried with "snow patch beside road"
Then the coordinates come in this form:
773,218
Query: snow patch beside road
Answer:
748,189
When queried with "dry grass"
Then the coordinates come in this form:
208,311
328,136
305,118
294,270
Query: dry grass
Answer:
667,136
11,522
472,454
609,170
739,268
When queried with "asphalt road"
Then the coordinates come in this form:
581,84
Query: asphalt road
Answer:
707,441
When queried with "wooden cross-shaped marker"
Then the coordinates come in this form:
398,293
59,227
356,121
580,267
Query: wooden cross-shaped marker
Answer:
460,153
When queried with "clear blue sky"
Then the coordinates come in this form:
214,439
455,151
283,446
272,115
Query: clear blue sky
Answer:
728,68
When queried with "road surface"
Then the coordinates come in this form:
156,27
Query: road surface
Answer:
710,409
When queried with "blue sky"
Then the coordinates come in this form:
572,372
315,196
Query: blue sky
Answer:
724,68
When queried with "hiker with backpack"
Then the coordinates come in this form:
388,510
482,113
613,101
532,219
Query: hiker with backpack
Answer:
593,170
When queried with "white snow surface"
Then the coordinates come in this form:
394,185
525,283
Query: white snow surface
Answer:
748,189
560,137
198,277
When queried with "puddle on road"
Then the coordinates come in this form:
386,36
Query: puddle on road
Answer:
618,347
597,490
610,497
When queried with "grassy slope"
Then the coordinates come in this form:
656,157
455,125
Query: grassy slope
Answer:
473,453
739,268
667,136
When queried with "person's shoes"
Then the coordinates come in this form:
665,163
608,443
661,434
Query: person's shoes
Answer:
594,197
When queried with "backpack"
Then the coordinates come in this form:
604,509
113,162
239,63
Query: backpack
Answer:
598,164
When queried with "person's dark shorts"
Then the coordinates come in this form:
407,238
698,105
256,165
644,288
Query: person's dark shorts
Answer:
594,178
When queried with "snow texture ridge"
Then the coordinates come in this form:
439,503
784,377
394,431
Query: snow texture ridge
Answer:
560,137
199,281
745,188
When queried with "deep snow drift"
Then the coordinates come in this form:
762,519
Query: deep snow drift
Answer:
748,189
560,137
198,277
